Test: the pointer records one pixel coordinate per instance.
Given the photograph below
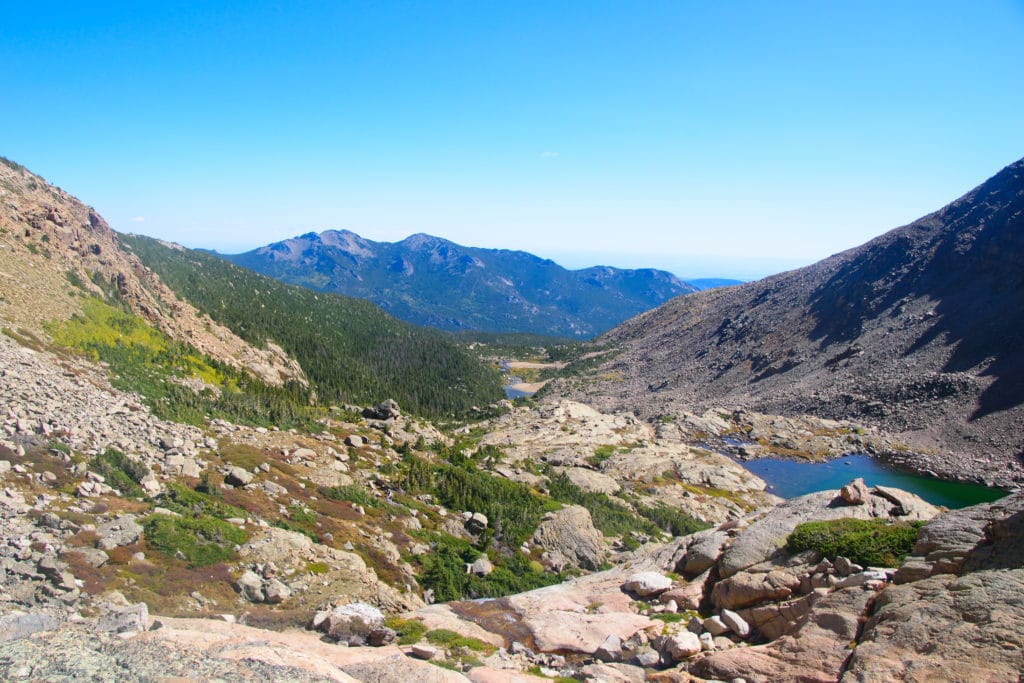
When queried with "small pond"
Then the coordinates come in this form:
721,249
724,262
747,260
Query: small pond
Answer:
512,394
792,478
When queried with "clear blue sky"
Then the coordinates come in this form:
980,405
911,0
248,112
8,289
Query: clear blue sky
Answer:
725,138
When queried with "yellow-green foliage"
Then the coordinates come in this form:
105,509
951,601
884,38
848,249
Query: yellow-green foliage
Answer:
142,359
102,326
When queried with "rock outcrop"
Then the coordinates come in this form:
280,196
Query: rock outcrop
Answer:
570,534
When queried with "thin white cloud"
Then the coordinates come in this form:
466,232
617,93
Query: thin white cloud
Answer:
548,155
139,219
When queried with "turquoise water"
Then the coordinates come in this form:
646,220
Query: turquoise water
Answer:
792,478
511,393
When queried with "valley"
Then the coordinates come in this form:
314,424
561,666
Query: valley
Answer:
208,474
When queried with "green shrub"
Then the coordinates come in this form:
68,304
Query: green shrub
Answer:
185,501
513,510
409,631
601,453
871,542
445,572
120,471
352,493
670,519
451,639
202,540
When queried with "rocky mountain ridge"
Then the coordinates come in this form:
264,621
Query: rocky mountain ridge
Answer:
431,281
918,332
55,248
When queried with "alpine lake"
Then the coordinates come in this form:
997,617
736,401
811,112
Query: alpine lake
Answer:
789,478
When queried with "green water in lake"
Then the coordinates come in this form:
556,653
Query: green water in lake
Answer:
792,478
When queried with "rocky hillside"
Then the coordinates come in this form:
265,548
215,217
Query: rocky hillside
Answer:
920,332
55,249
430,281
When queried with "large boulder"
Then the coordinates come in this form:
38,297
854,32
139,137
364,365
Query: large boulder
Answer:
703,552
351,624
385,410
856,492
746,589
571,532
646,584
682,646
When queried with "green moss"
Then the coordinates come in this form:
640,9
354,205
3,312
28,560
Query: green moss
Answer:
871,542
202,540
317,567
409,631
452,640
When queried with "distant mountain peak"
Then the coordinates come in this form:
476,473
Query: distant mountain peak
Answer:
429,280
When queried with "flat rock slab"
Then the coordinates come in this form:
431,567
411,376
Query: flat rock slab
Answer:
300,649
971,626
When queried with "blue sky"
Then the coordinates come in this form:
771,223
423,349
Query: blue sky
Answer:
708,138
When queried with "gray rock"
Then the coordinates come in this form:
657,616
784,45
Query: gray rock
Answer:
350,623
236,476
682,646
122,531
426,652
94,557
906,504
647,658
17,626
702,555
122,619
855,493
716,626
250,585
481,567
382,636
610,650
476,523
275,591
646,584
746,589
735,623
613,672
570,532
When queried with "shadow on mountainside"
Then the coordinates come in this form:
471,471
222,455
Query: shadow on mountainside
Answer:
966,259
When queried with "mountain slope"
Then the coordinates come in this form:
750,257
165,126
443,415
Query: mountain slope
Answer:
55,249
351,350
920,331
166,323
431,281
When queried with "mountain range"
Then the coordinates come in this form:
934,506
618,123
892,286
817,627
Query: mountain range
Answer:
253,347
430,281
919,331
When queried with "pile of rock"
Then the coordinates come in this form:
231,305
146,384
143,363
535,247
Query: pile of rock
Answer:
260,584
